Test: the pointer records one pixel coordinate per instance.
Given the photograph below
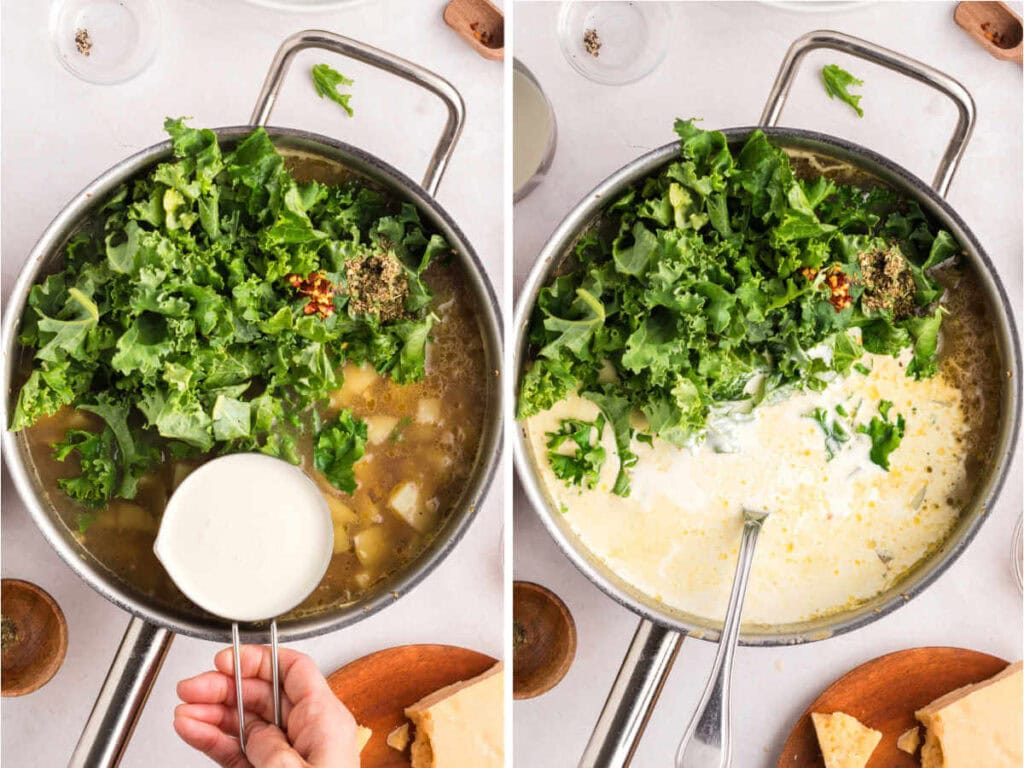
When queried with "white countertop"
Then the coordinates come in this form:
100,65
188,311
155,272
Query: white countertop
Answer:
60,132
720,67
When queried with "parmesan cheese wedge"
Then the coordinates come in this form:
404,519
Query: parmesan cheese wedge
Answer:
461,725
845,742
363,735
399,738
909,741
977,725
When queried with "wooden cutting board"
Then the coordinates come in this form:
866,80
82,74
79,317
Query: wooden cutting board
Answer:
377,689
884,694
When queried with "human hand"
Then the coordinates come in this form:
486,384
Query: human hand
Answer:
321,732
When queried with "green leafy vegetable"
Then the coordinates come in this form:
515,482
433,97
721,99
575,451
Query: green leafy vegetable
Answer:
326,82
337,447
187,315
835,426
837,81
724,279
583,465
98,477
885,435
617,409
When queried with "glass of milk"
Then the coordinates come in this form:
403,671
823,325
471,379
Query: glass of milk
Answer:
534,133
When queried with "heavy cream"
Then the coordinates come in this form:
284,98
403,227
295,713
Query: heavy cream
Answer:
246,537
841,530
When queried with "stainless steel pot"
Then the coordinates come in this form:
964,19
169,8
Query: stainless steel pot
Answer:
150,631
662,629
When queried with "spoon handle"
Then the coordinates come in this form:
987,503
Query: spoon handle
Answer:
707,742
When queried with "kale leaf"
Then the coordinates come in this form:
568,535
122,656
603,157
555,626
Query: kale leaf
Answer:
582,466
836,81
326,82
833,424
885,435
337,447
98,477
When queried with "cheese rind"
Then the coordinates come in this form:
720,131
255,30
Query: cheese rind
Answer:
978,724
461,725
845,742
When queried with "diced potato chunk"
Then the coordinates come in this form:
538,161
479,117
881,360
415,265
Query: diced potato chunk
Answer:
342,542
341,513
358,378
371,545
125,516
428,411
407,502
379,428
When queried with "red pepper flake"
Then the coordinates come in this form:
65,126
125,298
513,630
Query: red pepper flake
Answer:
839,286
320,291
483,35
837,283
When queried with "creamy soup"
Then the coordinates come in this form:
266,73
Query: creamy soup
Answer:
841,530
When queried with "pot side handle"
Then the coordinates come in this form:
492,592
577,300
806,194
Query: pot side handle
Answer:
328,41
889,59
632,696
132,673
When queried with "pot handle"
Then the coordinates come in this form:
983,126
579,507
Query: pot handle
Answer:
889,59
632,697
123,695
328,41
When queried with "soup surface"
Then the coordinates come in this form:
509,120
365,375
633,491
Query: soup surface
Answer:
841,530
412,446
421,436
746,329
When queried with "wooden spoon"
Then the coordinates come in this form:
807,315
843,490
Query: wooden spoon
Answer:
995,26
481,24
35,637
543,642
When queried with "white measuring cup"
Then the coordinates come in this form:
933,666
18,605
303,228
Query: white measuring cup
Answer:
247,537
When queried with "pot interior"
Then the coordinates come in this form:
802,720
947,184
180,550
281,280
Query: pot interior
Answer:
311,157
842,161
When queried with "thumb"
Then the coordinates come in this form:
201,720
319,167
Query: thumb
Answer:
267,747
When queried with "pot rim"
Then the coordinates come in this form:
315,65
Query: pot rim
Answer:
389,589
921,575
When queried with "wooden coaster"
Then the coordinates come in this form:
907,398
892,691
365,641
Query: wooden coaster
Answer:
884,694
377,689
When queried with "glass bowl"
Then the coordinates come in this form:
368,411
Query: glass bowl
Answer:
105,41
534,132
626,40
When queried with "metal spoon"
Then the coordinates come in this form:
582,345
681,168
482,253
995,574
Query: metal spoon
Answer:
707,742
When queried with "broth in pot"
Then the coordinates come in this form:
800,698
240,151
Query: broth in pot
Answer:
421,444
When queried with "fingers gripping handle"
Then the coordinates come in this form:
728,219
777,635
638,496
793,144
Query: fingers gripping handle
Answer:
375,57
